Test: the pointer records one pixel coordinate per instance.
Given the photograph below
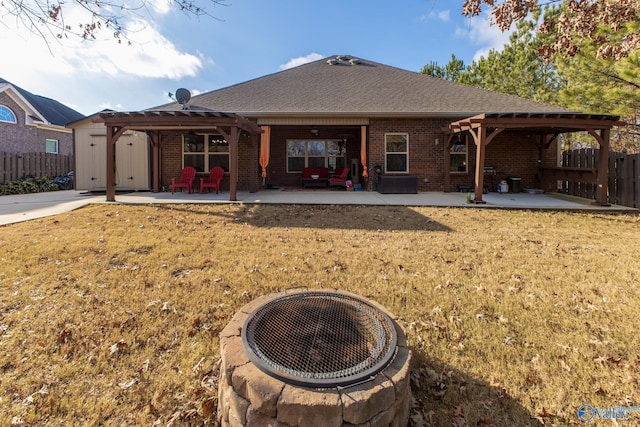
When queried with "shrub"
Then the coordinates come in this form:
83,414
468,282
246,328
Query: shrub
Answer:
28,185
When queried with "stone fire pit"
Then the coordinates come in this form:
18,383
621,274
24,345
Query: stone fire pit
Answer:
252,394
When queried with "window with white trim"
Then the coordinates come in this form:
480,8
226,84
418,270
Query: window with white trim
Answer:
6,115
51,146
396,155
459,160
314,153
204,156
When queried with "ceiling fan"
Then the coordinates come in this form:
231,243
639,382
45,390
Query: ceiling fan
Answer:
344,137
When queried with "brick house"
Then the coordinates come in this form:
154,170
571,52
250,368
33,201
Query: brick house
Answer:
34,124
380,121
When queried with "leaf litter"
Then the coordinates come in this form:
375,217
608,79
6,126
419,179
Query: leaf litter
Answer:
104,321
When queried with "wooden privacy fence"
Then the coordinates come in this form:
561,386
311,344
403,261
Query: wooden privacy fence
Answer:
624,176
14,166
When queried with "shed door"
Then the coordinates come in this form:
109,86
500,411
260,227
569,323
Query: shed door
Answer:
95,164
132,162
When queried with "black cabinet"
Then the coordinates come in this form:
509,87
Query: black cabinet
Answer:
398,184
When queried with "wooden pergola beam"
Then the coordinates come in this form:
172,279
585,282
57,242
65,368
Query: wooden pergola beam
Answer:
560,121
153,122
177,120
484,127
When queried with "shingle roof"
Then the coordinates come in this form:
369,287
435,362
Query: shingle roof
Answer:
53,111
350,86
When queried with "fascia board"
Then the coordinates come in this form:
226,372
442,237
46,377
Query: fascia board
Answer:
409,115
29,109
48,126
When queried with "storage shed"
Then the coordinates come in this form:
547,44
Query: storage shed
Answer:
132,158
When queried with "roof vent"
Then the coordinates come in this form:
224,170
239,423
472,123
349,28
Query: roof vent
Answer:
344,60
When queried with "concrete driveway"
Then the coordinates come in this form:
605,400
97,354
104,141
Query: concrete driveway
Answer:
17,208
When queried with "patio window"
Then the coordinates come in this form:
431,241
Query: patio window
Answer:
203,156
314,153
459,159
51,146
218,152
6,115
396,152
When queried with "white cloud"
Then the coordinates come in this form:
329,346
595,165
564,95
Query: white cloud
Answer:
295,62
161,6
151,56
443,15
69,67
479,31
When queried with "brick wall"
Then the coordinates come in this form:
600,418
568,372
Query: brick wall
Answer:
511,154
170,158
426,157
20,138
514,155
249,173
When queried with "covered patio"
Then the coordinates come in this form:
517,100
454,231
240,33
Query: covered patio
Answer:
485,127
525,201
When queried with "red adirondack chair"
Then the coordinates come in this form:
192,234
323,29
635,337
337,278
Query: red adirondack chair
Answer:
187,176
215,178
340,179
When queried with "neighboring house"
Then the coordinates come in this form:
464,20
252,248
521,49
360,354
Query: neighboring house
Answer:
34,124
90,148
377,120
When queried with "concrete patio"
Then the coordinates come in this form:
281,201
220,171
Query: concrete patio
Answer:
31,206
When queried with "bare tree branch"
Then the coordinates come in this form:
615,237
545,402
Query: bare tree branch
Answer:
48,19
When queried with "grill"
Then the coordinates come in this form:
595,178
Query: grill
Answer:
319,339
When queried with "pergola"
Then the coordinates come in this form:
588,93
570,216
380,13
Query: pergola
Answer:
485,127
229,125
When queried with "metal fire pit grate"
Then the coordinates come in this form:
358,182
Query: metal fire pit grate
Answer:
319,339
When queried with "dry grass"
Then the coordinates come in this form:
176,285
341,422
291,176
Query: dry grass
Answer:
109,315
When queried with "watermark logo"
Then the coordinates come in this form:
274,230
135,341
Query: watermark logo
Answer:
588,413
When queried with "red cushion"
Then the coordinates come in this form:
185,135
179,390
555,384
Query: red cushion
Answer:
323,173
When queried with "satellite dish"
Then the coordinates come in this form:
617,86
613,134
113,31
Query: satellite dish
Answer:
183,96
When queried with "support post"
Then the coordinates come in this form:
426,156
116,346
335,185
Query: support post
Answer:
111,164
233,164
113,134
363,152
481,145
155,160
603,169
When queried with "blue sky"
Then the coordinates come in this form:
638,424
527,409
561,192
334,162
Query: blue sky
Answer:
248,39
